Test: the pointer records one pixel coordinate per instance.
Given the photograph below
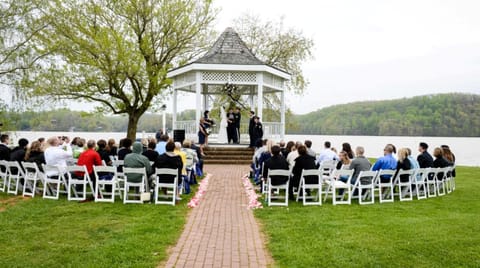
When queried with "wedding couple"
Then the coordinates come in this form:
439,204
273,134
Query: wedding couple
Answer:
229,126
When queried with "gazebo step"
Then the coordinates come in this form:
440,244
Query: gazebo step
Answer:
228,154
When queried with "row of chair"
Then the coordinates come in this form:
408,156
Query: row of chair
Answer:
75,182
422,183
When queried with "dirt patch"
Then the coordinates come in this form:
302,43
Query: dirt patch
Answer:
12,201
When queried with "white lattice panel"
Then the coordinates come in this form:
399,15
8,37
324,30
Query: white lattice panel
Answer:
215,76
243,77
185,79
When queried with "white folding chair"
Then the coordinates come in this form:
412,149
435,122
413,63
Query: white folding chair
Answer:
162,196
326,171
15,174
419,182
141,186
105,176
32,177
78,175
441,177
277,188
449,180
385,185
344,187
53,180
405,186
306,183
3,175
430,181
365,186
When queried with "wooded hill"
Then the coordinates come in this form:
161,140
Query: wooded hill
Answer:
451,115
455,115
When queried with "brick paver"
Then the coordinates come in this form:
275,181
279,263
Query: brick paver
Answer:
221,231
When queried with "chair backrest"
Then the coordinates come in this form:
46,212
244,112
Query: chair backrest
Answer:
166,175
366,177
31,169
3,168
386,174
421,175
346,174
77,172
14,168
141,171
278,172
110,169
404,174
311,176
117,163
442,173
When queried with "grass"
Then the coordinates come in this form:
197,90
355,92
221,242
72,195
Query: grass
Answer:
437,232
56,233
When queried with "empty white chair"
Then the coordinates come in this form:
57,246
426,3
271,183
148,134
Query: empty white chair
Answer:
105,176
53,180
419,182
326,171
385,185
3,175
15,174
78,176
32,177
403,180
166,183
278,188
341,181
365,185
139,187
310,180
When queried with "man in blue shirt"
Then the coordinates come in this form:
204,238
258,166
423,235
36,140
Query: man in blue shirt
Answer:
387,161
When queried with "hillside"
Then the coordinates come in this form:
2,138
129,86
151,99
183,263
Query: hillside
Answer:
433,115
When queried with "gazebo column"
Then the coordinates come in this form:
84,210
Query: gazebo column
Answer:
174,108
198,102
260,96
282,114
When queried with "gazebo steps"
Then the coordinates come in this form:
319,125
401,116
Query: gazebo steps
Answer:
228,154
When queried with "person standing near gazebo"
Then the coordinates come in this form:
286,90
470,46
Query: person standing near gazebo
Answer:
237,117
251,126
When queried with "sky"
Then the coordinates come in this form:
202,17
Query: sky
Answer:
373,49
376,49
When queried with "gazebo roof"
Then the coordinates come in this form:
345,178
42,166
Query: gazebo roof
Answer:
229,49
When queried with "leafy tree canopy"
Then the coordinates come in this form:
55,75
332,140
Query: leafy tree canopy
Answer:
115,53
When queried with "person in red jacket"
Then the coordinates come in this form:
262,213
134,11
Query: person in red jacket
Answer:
89,158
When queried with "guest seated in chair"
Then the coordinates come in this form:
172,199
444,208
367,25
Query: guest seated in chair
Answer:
277,161
303,161
169,160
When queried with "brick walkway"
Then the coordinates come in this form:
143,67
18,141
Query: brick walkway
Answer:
221,231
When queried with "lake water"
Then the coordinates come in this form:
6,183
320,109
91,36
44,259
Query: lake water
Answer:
465,149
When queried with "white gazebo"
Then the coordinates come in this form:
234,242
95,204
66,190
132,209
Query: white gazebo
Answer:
229,64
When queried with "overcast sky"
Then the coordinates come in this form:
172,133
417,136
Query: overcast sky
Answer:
374,50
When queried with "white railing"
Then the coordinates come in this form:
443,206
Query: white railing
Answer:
271,130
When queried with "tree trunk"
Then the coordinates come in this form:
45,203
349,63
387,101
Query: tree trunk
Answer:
132,125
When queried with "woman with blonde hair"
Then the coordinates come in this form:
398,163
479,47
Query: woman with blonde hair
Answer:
403,163
35,154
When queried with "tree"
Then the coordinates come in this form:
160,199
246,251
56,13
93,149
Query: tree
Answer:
277,46
116,53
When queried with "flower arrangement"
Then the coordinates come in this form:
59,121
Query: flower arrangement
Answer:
202,189
252,196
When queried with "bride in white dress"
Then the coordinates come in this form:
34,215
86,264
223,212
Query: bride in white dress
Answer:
222,133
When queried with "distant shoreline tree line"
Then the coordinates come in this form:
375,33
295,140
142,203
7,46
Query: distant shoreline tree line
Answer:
451,115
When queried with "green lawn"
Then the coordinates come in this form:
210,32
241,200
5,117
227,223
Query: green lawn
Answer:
57,233
437,232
